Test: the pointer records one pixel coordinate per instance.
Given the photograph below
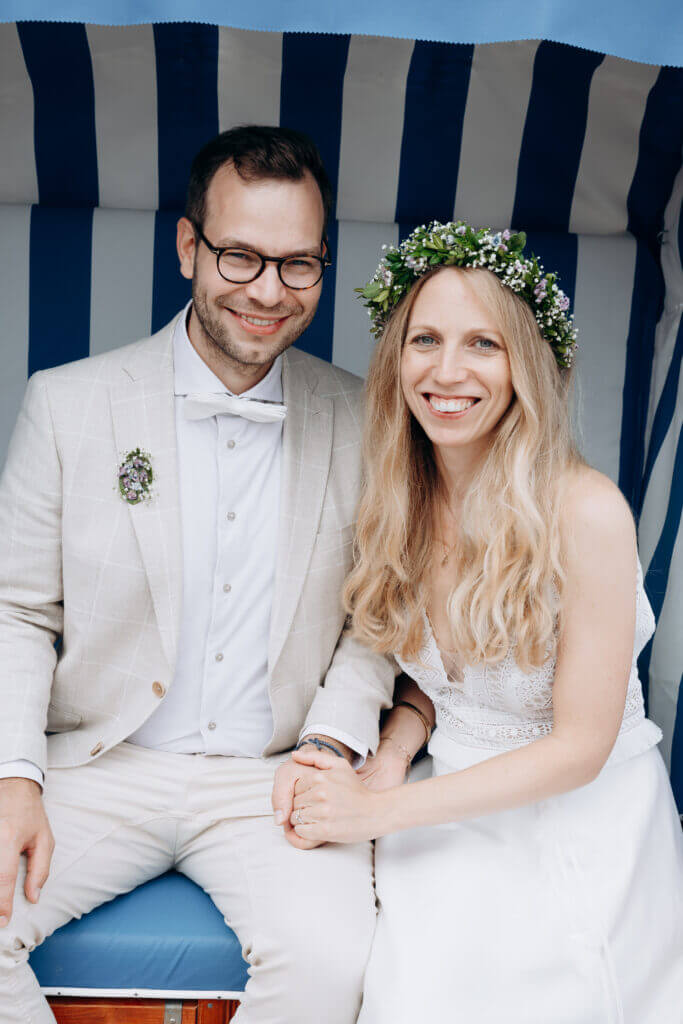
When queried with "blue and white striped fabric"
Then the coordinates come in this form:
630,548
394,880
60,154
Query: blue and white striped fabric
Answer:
584,151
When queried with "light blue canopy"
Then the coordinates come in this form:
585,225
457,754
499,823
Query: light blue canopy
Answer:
650,32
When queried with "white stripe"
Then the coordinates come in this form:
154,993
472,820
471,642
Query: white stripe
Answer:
249,73
141,993
358,253
604,289
657,494
122,277
18,181
124,73
618,95
667,653
497,102
669,325
15,231
373,108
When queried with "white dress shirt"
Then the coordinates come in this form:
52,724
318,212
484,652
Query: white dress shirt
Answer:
229,487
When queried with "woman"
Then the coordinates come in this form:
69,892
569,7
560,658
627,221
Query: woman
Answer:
537,877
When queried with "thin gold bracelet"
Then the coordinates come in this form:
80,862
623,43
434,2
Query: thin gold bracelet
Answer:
420,714
404,750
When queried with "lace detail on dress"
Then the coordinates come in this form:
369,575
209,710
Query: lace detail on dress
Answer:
499,706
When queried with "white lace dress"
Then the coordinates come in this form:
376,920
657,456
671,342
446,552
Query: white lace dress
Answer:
566,911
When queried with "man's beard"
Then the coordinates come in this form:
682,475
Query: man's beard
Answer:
218,335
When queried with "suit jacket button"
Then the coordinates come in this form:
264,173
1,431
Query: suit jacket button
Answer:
96,749
158,689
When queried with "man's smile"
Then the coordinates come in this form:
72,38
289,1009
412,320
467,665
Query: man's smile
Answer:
258,324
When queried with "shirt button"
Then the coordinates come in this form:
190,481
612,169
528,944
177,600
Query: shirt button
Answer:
212,726
226,588
96,749
230,444
158,689
230,516
219,657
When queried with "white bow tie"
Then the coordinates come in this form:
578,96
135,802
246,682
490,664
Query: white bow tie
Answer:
199,407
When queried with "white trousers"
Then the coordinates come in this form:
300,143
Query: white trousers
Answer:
305,919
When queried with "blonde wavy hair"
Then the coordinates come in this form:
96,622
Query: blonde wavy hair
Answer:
507,571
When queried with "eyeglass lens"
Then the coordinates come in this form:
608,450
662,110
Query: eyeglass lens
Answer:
240,266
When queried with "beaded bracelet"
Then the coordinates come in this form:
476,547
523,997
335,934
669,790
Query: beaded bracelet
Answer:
420,714
318,744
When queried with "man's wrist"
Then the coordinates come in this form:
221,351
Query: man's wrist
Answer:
327,742
10,780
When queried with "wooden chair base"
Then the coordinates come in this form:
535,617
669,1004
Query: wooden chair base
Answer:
87,1010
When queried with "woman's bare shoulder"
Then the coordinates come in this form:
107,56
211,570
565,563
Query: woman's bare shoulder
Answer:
594,512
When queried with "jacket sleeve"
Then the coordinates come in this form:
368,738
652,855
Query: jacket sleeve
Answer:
31,611
358,685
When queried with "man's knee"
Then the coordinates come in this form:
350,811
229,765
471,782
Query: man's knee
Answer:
312,968
336,956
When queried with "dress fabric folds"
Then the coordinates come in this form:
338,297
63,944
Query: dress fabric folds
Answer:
568,910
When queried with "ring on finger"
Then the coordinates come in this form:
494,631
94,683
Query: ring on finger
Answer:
297,816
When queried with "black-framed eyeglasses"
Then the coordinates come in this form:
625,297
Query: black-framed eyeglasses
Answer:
240,266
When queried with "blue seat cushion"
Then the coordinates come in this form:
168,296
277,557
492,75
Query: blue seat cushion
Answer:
167,934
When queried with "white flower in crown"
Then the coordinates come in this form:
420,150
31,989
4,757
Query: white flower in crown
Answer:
135,477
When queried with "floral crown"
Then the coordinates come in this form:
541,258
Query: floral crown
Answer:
458,245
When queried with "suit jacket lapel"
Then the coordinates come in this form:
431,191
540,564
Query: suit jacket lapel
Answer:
143,414
306,452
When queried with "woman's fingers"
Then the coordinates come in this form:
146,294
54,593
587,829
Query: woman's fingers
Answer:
311,832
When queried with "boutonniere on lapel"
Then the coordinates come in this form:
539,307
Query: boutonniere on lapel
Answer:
136,477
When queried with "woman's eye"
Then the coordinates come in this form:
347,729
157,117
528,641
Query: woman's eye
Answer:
423,341
485,344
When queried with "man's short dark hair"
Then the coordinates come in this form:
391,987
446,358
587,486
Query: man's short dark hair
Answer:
256,152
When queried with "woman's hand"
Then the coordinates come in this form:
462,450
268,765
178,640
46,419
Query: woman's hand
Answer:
388,768
334,805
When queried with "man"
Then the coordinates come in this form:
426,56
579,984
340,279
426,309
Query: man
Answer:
189,547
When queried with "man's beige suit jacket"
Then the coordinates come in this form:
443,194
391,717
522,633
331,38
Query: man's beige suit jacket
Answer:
78,562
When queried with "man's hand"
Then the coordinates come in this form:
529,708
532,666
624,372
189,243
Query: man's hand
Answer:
286,778
24,828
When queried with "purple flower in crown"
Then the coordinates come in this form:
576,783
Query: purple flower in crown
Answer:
135,477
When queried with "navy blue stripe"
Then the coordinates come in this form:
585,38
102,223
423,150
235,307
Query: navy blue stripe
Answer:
553,136
657,575
313,68
677,751
406,227
646,309
559,255
59,286
436,97
659,157
58,62
170,290
187,102
666,408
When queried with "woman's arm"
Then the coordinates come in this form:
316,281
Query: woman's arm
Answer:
403,734
593,664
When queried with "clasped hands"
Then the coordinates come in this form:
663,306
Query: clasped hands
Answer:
319,798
